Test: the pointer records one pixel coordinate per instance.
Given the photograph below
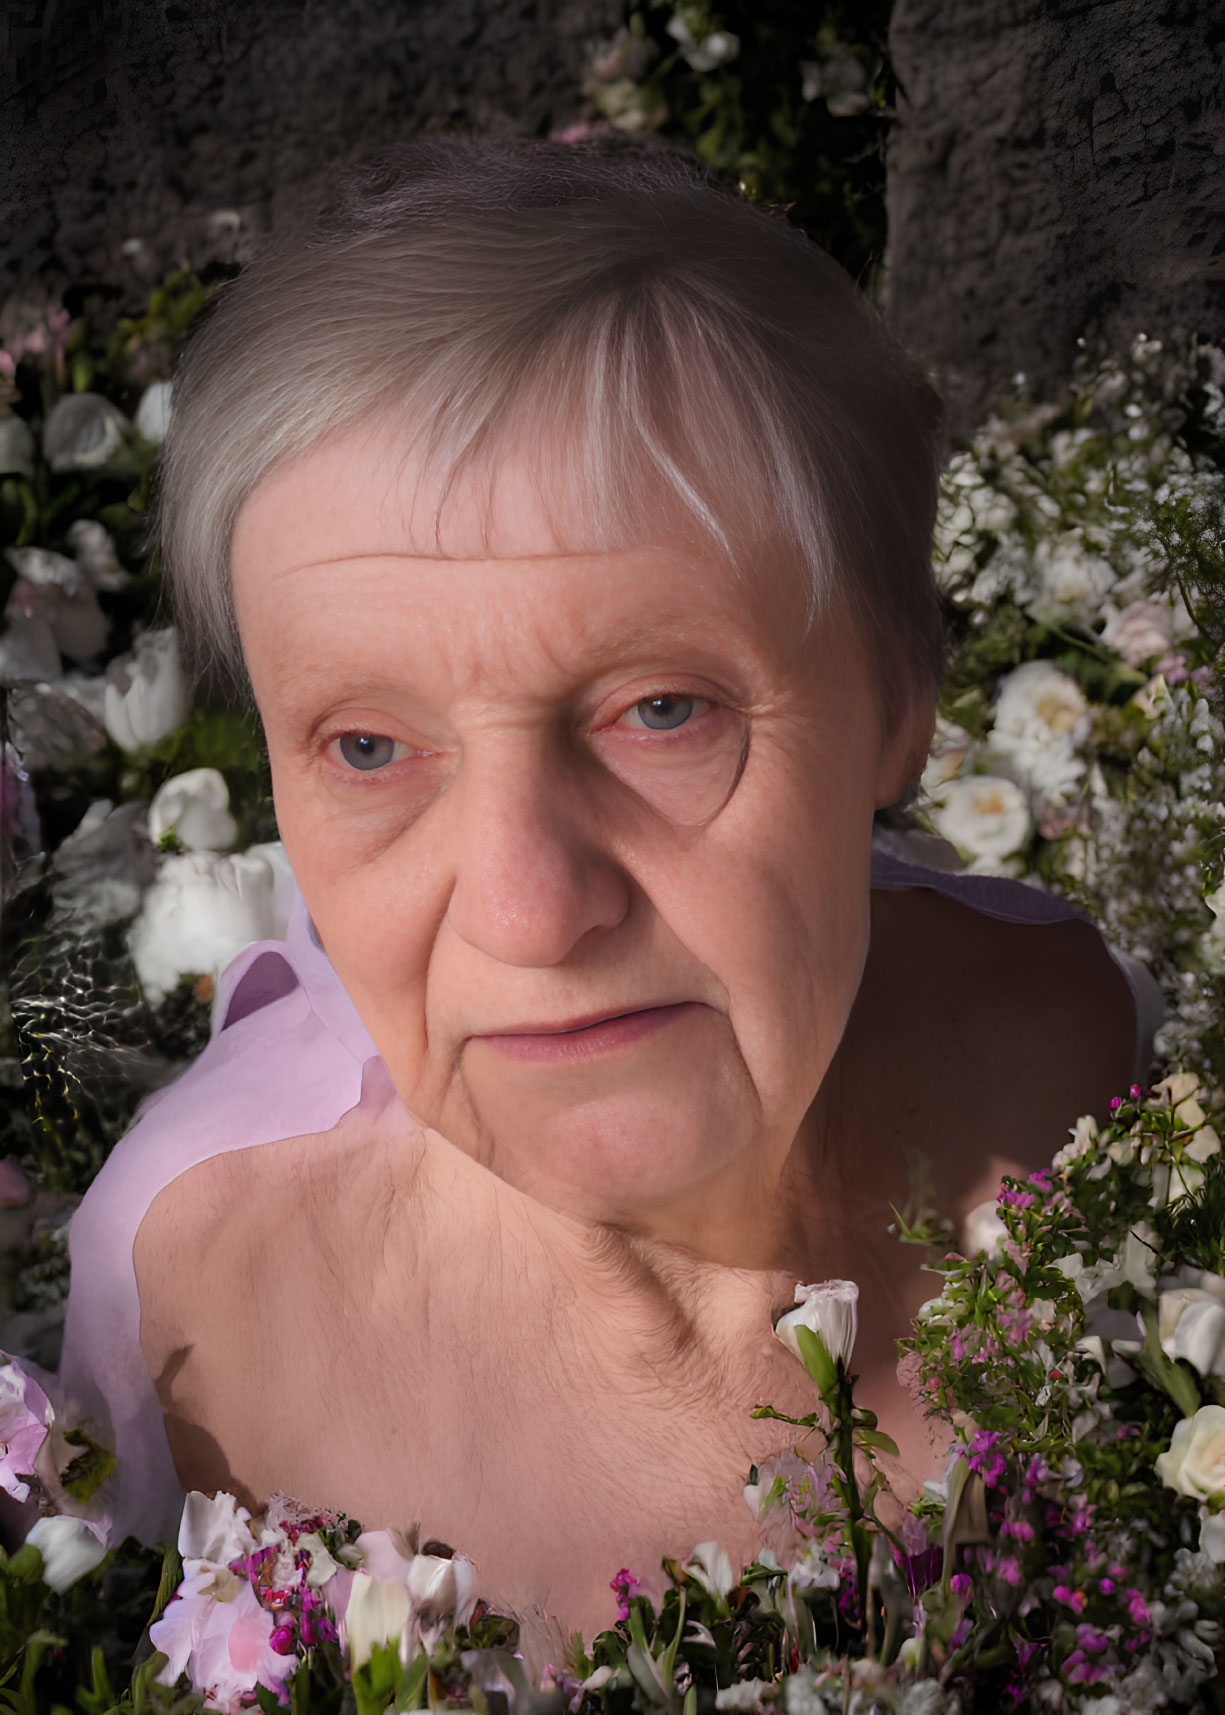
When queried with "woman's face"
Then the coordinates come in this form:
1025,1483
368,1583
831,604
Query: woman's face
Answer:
585,835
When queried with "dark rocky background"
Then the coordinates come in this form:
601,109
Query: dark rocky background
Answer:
1056,168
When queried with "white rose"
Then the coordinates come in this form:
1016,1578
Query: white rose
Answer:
830,1309
1072,582
195,807
1039,706
153,413
84,431
200,911
1191,1323
16,446
1140,632
1195,1461
983,815
146,692
70,1548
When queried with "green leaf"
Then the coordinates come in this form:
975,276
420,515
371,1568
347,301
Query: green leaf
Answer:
817,1361
876,1441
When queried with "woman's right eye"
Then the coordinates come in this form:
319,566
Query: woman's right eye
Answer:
367,750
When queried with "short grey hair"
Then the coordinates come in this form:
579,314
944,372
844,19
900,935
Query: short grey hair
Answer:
654,340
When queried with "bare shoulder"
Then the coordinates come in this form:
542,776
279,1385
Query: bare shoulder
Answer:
989,1038
240,1228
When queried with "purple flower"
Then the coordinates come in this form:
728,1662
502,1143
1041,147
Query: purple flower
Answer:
623,1584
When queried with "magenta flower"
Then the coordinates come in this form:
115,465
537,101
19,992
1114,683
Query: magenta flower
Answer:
623,1584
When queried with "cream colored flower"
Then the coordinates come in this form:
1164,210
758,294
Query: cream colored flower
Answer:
985,816
1191,1324
1194,1463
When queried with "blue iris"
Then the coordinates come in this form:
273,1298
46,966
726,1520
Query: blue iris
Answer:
662,714
366,750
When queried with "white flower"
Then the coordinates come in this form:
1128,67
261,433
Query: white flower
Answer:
1041,717
712,1567
441,1585
983,815
1084,1137
377,1613
153,413
16,446
1071,582
70,1547
195,808
1194,1463
830,1309
213,1529
1191,1324
201,910
84,431
1143,630
58,590
146,692
983,1231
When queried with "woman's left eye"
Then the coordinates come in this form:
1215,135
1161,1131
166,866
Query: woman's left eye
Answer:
664,713
366,750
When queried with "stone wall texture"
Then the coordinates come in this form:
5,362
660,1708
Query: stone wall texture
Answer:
136,134
1058,169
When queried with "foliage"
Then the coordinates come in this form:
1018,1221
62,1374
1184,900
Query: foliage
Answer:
791,100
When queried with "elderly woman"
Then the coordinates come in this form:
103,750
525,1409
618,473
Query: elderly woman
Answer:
570,519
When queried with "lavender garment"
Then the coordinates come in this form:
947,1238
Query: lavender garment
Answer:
286,1061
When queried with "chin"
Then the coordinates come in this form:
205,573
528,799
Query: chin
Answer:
618,1154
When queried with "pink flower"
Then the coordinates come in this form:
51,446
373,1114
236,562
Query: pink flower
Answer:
25,1416
216,1633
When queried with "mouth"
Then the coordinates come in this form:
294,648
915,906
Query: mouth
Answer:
583,1038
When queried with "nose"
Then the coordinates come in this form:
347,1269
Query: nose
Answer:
532,874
